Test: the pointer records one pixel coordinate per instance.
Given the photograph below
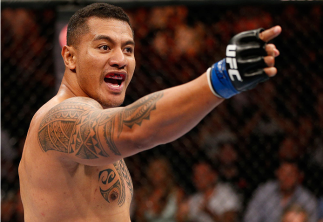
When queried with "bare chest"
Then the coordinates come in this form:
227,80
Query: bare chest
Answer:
83,193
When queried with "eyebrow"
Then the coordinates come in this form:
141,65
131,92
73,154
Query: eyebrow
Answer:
109,39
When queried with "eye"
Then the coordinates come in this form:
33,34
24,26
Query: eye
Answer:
104,47
129,50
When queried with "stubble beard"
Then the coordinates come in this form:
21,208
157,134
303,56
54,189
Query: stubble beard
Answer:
112,103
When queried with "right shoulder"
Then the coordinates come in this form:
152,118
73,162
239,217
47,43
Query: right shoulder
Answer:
56,122
83,103
263,190
70,108
82,100
80,130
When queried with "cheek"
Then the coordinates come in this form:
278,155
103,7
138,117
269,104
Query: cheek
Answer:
131,69
90,67
133,62
90,61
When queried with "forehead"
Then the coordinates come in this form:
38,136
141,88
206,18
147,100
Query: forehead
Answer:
288,168
114,28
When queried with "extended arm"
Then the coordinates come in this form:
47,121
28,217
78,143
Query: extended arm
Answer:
93,136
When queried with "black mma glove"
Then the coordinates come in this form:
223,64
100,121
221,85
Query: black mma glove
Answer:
242,69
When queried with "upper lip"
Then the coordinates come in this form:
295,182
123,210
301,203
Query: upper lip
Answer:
116,75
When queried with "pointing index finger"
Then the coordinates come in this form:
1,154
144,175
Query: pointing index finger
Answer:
271,33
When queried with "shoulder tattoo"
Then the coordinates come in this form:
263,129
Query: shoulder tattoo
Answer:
73,126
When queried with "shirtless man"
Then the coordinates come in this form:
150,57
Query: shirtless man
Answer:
72,166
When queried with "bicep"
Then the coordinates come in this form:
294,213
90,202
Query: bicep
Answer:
81,132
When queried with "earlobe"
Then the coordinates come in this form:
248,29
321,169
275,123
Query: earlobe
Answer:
68,54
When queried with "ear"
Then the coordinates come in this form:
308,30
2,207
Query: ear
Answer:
68,54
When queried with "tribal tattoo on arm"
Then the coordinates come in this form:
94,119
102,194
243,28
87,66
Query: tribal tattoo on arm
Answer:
73,126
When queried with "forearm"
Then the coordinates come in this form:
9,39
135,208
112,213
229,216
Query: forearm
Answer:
181,109
176,111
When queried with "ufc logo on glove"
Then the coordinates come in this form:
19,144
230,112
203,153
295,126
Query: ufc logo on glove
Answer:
243,67
232,61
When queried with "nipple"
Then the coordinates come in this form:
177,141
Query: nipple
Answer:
113,195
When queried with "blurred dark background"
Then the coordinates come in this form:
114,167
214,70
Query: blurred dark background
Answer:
245,138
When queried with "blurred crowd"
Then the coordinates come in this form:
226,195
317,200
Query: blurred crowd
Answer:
257,157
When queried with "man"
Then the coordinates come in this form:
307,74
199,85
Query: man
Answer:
72,167
214,201
270,199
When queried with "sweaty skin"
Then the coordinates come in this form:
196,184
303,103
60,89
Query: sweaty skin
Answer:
72,166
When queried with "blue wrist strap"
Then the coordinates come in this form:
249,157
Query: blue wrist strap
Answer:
220,81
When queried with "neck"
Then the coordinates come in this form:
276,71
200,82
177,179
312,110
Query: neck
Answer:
68,89
287,193
285,198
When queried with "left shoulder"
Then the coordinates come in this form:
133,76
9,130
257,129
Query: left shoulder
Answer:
304,193
225,188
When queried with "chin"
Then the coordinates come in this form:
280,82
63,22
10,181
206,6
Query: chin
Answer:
111,103
109,100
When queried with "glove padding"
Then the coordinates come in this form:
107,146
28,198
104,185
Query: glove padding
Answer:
242,69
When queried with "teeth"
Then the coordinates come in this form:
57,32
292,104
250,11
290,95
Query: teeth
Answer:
114,77
114,86
117,78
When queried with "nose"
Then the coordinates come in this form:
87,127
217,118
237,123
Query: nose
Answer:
117,59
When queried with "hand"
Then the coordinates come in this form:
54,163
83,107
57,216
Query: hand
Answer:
249,61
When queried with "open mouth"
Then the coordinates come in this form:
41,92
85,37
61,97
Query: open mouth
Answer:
114,79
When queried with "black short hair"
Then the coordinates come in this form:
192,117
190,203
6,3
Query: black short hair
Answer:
77,24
